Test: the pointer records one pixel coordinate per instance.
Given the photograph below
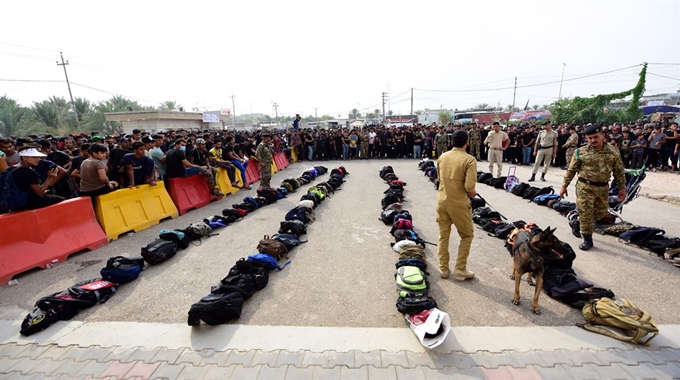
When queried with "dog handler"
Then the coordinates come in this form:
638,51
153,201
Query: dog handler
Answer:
457,173
545,150
594,164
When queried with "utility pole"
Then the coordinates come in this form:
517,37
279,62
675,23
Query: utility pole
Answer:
384,98
73,104
514,92
564,65
315,115
389,100
411,101
233,109
276,110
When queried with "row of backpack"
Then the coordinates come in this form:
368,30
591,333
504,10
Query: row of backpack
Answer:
411,276
225,300
598,305
65,304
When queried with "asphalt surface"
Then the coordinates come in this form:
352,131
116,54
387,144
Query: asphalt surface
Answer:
344,275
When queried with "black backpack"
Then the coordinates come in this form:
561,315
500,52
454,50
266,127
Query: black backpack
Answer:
414,305
257,269
504,230
298,213
389,199
38,319
121,269
499,182
520,189
387,216
530,193
293,226
270,194
159,251
290,241
216,308
564,207
231,215
491,225
311,197
545,190
482,178
490,181
248,206
477,203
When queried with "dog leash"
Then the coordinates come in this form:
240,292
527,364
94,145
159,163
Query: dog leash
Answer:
488,204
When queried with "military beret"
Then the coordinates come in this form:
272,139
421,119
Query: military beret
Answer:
593,129
265,135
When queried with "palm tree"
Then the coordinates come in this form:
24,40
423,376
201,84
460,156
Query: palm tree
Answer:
482,106
444,117
82,107
170,105
377,112
536,106
353,113
510,107
11,115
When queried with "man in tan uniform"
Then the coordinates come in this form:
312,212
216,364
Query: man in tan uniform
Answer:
495,140
457,172
545,149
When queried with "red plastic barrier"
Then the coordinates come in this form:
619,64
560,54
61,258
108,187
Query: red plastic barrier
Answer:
279,158
253,171
190,193
35,238
284,160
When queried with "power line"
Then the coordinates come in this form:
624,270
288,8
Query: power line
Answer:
113,93
662,76
32,80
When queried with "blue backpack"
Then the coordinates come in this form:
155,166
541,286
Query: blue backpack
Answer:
545,198
252,200
11,198
266,259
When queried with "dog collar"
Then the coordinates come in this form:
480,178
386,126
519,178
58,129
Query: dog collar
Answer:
532,256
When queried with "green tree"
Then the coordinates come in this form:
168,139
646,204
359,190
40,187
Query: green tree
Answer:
353,113
377,112
11,115
536,106
170,105
445,117
482,106
390,113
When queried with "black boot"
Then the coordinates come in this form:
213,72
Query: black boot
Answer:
533,178
543,177
587,243
575,228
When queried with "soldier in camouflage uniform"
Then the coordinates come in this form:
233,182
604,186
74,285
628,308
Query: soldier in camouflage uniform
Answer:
441,140
265,156
475,138
571,144
363,148
594,164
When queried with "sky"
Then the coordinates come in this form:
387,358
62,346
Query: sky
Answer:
330,57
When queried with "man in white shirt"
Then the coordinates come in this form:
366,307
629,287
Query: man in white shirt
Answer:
495,140
545,150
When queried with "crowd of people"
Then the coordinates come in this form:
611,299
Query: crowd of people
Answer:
50,169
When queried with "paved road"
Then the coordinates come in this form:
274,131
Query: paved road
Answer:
343,278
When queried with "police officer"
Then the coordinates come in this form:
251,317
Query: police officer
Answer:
265,156
545,150
475,139
457,172
594,164
364,139
441,140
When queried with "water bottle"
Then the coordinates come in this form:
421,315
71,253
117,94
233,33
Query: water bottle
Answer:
12,282
52,264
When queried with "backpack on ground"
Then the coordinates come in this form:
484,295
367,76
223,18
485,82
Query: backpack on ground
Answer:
491,225
414,262
295,227
216,308
389,199
159,251
412,252
564,207
39,319
231,215
482,178
272,247
299,213
543,191
121,269
197,230
477,203
288,187
310,197
176,236
520,189
290,241
252,201
412,280
247,206
543,199
11,198
414,305
258,270
401,224
484,213
637,325
499,183
411,235
270,194
530,193
387,216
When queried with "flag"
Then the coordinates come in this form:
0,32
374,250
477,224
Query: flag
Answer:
527,106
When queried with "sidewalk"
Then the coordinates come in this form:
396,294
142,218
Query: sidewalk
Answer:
173,351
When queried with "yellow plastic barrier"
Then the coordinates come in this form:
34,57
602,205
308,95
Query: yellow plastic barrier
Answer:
293,155
274,168
133,209
224,182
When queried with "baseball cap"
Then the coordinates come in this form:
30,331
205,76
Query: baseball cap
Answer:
32,152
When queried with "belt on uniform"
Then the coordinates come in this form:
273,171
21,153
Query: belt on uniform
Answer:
496,148
546,147
592,183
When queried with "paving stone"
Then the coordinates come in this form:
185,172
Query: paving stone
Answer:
393,358
272,373
17,376
33,351
12,350
143,354
669,371
168,371
387,373
553,373
47,366
76,353
478,359
464,360
23,365
218,358
584,372
319,373
354,373
524,359
191,372
143,370
6,363
218,373
98,353
315,358
581,357
294,373
268,358
117,369
639,371
631,357
69,367
367,358
527,373
415,373
552,358
119,354
500,373
613,372
54,352
93,368
663,355
290,358
341,358
467,373
189,356
425,359
169,355
446,373
498,359
242,373
240,357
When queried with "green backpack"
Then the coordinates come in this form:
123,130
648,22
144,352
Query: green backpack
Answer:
411,279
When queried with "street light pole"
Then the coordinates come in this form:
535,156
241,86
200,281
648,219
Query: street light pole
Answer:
564,65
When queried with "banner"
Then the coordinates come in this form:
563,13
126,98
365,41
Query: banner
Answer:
211,118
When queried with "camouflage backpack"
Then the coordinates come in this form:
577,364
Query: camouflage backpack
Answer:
618,229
